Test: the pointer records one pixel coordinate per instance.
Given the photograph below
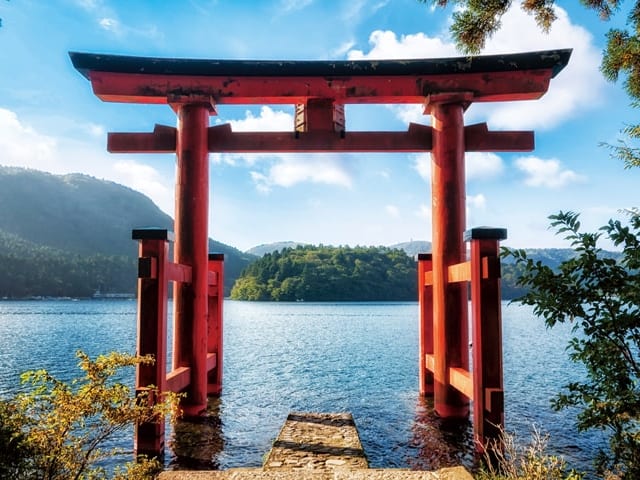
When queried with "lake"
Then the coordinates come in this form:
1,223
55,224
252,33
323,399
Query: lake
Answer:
281,357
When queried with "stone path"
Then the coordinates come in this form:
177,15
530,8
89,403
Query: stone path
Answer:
317,441
318,446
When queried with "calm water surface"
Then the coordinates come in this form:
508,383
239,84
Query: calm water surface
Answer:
280,357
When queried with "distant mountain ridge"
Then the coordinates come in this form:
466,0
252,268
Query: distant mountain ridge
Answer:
57,232
263,249
412,248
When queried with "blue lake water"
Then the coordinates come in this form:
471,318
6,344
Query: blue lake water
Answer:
281,357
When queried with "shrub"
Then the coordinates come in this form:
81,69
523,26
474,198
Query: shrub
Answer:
58,430
600,297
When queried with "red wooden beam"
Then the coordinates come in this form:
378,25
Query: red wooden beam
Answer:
215,324
450,330
488,405
418,138
153,250
425,329
271,90
191,248
162,140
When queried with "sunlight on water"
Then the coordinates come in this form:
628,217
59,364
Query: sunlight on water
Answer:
356,357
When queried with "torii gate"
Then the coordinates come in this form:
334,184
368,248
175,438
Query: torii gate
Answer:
319,90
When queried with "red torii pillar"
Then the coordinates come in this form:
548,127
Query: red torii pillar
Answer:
320,90
191,248
448,198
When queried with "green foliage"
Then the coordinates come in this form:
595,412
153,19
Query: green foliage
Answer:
322,273
515,461
601,298
70,235
474,21
57,430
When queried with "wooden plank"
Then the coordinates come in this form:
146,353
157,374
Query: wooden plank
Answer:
212,361
491,268
162,140
430,362
373,89
461,380
478,138
178,379
460,272
179,273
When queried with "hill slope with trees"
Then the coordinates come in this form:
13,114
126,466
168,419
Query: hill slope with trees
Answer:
319,273
70,235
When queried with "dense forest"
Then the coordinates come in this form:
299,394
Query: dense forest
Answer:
70,235
320,273
354,274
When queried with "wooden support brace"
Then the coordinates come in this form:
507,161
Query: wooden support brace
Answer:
179,273
178,379
460,272
488,405
162,140
212,361
148,267
461,380
153,251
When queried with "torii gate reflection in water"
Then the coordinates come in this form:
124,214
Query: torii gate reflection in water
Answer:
319,90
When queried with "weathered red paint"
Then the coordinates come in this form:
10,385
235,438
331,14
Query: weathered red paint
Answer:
450,327
425,330
152,332
418,138
191,248
488,405
273,90
320,90
214,324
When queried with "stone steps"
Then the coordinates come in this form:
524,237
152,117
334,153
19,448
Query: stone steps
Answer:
456,473
318,446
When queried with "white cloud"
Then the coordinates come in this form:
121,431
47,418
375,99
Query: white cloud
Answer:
283,170
478,202
478,165
146,179
519,33
410,113
481,165
110,25
21,145
288,6
291,170
424,212
268,120
579,80
422,165
546,173
392,211
342,49
386,45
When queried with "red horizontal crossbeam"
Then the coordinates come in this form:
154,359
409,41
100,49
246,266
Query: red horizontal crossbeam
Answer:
418,138
245,90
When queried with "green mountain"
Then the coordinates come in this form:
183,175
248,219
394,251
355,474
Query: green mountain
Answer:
70,235
323,273
264,248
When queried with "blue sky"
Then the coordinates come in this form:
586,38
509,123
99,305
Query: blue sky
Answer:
51,121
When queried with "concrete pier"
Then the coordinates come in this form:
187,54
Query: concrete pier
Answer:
318,446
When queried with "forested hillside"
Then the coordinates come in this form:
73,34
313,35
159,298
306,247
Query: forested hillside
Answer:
318,273
70,235
312,273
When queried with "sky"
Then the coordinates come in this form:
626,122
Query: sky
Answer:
51,121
